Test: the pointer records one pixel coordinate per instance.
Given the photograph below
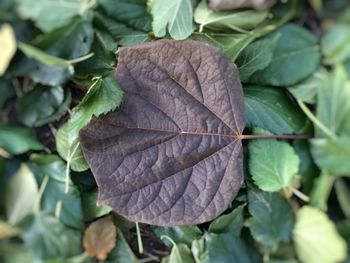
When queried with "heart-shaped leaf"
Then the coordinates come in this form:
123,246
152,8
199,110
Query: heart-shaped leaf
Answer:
171,154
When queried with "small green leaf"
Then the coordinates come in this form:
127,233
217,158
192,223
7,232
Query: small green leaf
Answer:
332,154
333,107
256,56
48,238
270,109
90,208
51,14
316,237
273,164
296,46
103,96
16,253
42,105
335,43
272,218
54,196
343,196
176,16
70,150
179,234
121,253
306,90
17,140
307,168
229,223
132,14
41,56
321,190
180,253
21,194
225,248
8,46
237,21
7,92
121,32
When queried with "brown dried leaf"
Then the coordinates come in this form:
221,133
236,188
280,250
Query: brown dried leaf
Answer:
171,154
100,238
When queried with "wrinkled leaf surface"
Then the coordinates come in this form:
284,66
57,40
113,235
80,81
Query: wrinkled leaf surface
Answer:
171,154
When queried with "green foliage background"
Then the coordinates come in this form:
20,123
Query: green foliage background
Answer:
56,64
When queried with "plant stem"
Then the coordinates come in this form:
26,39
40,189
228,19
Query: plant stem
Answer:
314,119
58,209
300,195
139,239
321,190
273,136
36,207
80,59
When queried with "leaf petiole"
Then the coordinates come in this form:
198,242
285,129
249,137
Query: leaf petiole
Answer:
274,136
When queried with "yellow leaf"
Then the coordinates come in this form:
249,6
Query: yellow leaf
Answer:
7,47
100,238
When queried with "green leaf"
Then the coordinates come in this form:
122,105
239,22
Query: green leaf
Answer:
102,63
90,208
48,238
272,218
51,14
42,105
270,109
332,154
237,21
343,196
122,33
273,164
21,194
175,16
69,150
335,43
256,56
69,42
296,46
333,109
66,206
49,60
321,190
306,90
307,168
8,46
121,253
180,253
7,92
16,253
131,13
316,237
179,234
199,251
103,96
17,140
229,223
225,248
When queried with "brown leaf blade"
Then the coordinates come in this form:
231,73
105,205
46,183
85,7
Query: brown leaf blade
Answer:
100,238
171,154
